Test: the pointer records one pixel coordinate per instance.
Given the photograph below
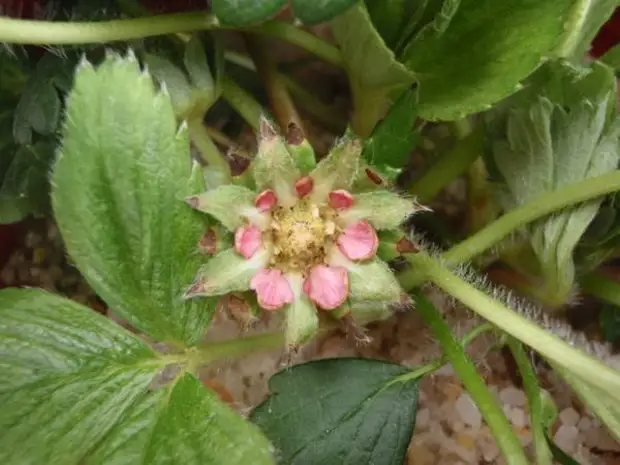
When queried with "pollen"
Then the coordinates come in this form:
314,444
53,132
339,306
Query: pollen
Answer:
300,235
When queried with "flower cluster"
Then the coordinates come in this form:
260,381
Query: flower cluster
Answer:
303,239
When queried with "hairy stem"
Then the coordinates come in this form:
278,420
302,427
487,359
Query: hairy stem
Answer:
489,407
222,139
331,117
534,395
449,166
496,312
243,102
21,31
544,205
283,107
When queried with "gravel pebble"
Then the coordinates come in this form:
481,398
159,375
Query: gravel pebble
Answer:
569,417
468,411
513,396
566,438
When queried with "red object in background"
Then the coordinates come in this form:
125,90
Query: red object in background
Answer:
608,36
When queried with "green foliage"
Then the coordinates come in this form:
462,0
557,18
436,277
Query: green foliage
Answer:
183,424
248,12
374,72
29,121
395,137
366,415
193,84
558,131
612,58
474,53
610,322
584,21
24,186
119,184
318,11
68,375
244,12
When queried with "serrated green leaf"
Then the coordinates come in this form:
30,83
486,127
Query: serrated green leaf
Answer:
374,72
245,12
195,61
394,138
185,425
508,38
583,23
547,139
24,186
120,209
40,105
390,17
67,376
319,11
340,411
177,83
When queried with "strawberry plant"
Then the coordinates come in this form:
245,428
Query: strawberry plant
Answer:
110,129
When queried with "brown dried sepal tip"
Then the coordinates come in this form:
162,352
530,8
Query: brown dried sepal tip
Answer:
294,134
238,310
404,245
207,245
355,333
193,201
374,177
197,288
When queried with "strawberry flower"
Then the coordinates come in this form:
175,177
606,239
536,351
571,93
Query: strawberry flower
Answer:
304,240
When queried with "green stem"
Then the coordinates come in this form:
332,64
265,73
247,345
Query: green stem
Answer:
532,389
601,287
327,114
243,102
488,405
200,137
544,205
291,34
541,340
281,103
222,139
210,352
437,364
449,166
21,31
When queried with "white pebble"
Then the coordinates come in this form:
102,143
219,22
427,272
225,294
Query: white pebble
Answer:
569,417
468,411
422,418
566,438
518,418
445,370
584,424
513,397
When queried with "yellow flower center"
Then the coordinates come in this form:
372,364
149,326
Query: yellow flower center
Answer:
300,236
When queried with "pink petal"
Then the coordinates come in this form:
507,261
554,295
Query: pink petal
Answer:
327,286
304,186
358,241
247,240
272,289
266,200
340,199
